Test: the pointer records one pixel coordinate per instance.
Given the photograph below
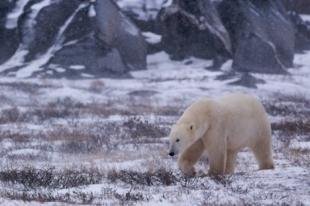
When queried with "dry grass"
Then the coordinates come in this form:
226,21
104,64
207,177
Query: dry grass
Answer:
158,177
111,141
10,115
27,87
294,130
138,127
133,108
67,108
284,105
50,178
298,157
96,86
62,108
300,127
17,137
77,197
79,138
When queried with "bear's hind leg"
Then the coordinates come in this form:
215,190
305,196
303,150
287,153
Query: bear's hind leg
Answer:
263,153
230,162
217,163
217,154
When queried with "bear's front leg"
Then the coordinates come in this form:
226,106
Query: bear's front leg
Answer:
189,157
186,167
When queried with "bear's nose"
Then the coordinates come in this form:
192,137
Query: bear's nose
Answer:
171,154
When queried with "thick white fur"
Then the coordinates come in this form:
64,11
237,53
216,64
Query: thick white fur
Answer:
222,127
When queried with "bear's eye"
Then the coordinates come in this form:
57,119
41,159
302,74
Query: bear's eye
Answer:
177,140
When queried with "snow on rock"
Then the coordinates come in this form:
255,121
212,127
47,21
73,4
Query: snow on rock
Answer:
92,11
152,38
206,37
144,9
256,29
77,67
7,143
305,17
13,16
37,64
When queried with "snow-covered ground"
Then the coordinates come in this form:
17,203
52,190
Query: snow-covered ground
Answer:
104,140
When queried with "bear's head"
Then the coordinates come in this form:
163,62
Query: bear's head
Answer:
181,136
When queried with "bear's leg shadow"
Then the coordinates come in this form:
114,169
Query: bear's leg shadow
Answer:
263,154
230,162
190,156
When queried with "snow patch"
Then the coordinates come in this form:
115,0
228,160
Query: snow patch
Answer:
129,26
144,10
300,146
152,38
227,66
91,11
41,61
77,67
7,143
13,16
305,17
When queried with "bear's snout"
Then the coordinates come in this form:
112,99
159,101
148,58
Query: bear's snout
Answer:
171,154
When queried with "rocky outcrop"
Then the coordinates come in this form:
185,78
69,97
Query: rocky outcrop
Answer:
69,38
42,27
262,34
117,31
299,6
296,8
95,38
193,28
144,13
302,32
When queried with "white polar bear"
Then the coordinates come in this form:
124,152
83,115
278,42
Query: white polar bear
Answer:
222,127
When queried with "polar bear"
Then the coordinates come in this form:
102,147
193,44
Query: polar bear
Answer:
221,127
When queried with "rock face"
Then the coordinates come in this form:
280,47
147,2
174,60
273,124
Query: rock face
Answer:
68,38
8,37
299,6
262,34
193,28
117,31
78,38
302,28
302,32
144,13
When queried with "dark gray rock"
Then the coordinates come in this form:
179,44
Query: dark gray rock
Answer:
299,6
302,32
143,13
244,79
262,34
247,80
193,28
4,9
39,34
81,26
98,59
118,31
8,37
